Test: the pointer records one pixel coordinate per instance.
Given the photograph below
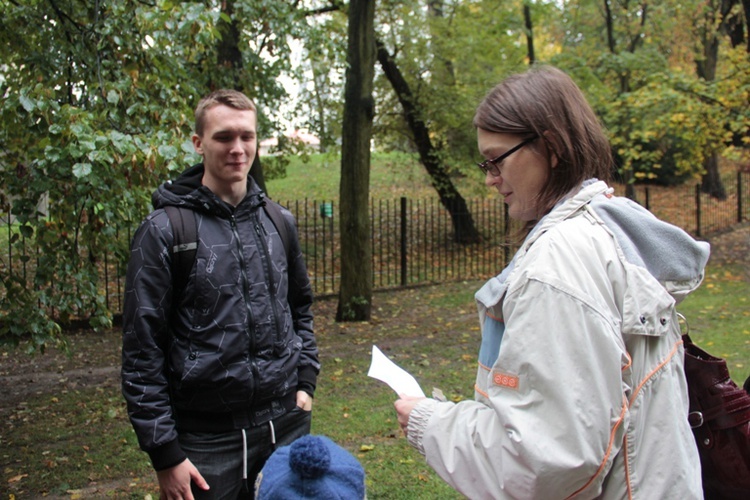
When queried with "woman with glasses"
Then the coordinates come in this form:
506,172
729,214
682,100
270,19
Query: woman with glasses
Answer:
580,390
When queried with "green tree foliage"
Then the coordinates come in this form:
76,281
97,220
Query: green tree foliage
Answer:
624,52
97,110
97,101
95,105
319,106
451,54
636,61
675,126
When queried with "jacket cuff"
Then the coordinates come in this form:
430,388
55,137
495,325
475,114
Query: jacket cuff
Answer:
306,380
167,455
418,419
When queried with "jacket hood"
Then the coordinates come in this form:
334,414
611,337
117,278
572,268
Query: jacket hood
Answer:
669,253
187,190
673,257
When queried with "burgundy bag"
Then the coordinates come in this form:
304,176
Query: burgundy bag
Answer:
720,418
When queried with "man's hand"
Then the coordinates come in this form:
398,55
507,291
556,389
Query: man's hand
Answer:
174,482
304,400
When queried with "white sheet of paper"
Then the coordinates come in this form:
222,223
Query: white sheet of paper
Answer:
385,370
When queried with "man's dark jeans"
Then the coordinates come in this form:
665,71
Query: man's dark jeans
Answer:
219,456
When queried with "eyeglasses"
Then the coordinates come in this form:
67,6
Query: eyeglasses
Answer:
493,166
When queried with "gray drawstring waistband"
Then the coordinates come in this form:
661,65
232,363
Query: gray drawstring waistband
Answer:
273,434
244,447
244,455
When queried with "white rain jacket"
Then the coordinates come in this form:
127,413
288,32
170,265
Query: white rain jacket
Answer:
580,391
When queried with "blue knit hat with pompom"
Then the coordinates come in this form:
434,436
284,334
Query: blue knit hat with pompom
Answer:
311,467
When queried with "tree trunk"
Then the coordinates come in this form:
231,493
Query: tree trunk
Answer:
711,183
435,9
320,106
529,33
608,19
624,77
229,59
629,185
738,25
229,54
463,223
355,295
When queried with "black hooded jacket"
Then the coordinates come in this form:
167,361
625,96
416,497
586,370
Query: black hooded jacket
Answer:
235,346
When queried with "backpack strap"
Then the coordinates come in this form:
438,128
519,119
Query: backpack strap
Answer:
273,210
185,244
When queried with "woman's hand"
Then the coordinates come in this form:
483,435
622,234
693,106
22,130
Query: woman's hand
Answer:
404,406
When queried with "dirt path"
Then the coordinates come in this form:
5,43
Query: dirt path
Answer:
732,247
97,363
95,358
91,363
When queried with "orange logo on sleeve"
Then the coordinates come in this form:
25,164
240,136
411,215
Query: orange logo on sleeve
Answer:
505,380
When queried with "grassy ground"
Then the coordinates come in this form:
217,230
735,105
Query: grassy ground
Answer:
718,313
64,432
392,175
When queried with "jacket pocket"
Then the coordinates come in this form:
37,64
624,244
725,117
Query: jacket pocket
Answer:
202,380
278,369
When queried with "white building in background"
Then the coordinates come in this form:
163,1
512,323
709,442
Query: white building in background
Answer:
303,137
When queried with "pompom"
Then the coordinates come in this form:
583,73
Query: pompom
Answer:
309,457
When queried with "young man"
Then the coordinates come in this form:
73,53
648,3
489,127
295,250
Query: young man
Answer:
220,371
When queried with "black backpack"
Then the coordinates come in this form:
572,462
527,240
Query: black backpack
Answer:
185,229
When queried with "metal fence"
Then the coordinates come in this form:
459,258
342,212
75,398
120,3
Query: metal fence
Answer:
413,239
412,242
700,214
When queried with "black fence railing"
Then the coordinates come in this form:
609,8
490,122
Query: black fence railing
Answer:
413,240
700,214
